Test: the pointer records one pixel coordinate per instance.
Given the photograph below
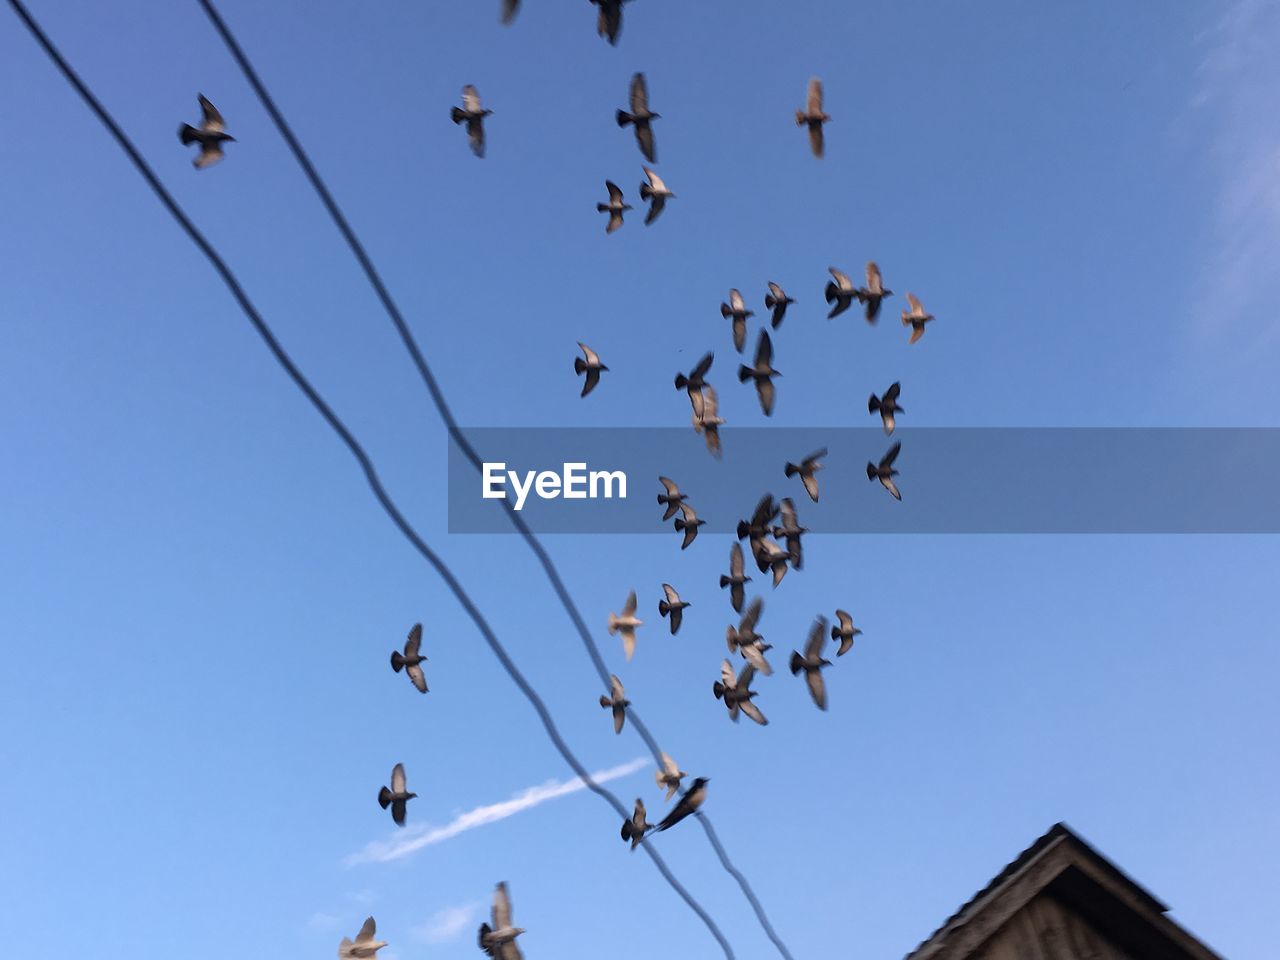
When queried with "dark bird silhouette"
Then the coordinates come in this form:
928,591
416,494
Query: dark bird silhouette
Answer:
762,372
776,300
807,469
509,10
615,207
759,526
672,498
398,797
472,114
688,803
915,318
770,556
669,776
617,702
211,135
709,421
656,192
841,293
745,640
874,292
737,693
365,945
695,381
735,580
672,607
640,117
737,310
812,662
635,828
887,406
626,625
411,660
591,366
499,940
813,116
885,472
790,531
609,22
689,523
845,631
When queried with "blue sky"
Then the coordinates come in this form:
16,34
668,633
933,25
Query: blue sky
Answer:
200,594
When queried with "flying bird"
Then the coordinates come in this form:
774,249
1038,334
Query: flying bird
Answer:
776,300
591,366
509,10
673,607
636,826
807,468
790,531
656,192
473,115
770,556
813,116
735,580
609,23
626,624
695,381
411,660
885,472
669,776
672,498
841,293
640,117
364,946
746,641
499,940
398,797
759,526
887,406
737,309
874,292
615,207
762,372
844,632
916,318
709,421
210,135
689,523
616,701
737,693
688,803
812,662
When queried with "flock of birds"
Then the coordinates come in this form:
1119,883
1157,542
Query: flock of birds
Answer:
775,548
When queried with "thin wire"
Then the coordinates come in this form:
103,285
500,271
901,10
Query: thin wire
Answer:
357,451
455,432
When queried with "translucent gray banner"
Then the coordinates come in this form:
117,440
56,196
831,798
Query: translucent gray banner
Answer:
952,480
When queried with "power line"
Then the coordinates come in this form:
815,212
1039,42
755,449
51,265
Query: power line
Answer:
366,465
455,432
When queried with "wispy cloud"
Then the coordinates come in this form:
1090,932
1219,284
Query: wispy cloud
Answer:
410,841
447,924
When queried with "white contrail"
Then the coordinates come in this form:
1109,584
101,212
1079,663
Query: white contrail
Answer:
382,851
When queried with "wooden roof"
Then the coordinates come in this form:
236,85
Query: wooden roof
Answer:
1061,866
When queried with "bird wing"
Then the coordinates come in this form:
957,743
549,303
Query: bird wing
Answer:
710,403
704,365
891,487
629,607
817,639
789,521
765,511
414,642
670,486
752,711
213,121
501,907
669,766
764,387
687,512
655,181
736,302
644,137
628,642
892,455
470,99
813,102
916,334
398,779
777,291
592,378
751,617
509,951
475,134
755,656
657,204
670,591
894,389
593,358
917,307
874,283
846,621
814,457
817,687
810,485
615,192
639,95
764,350
509,10
616,688
727,676
367,931
746,676
842,279
417,677
210,153
817,139
735,561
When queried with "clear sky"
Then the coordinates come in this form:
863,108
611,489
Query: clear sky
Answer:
198,595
